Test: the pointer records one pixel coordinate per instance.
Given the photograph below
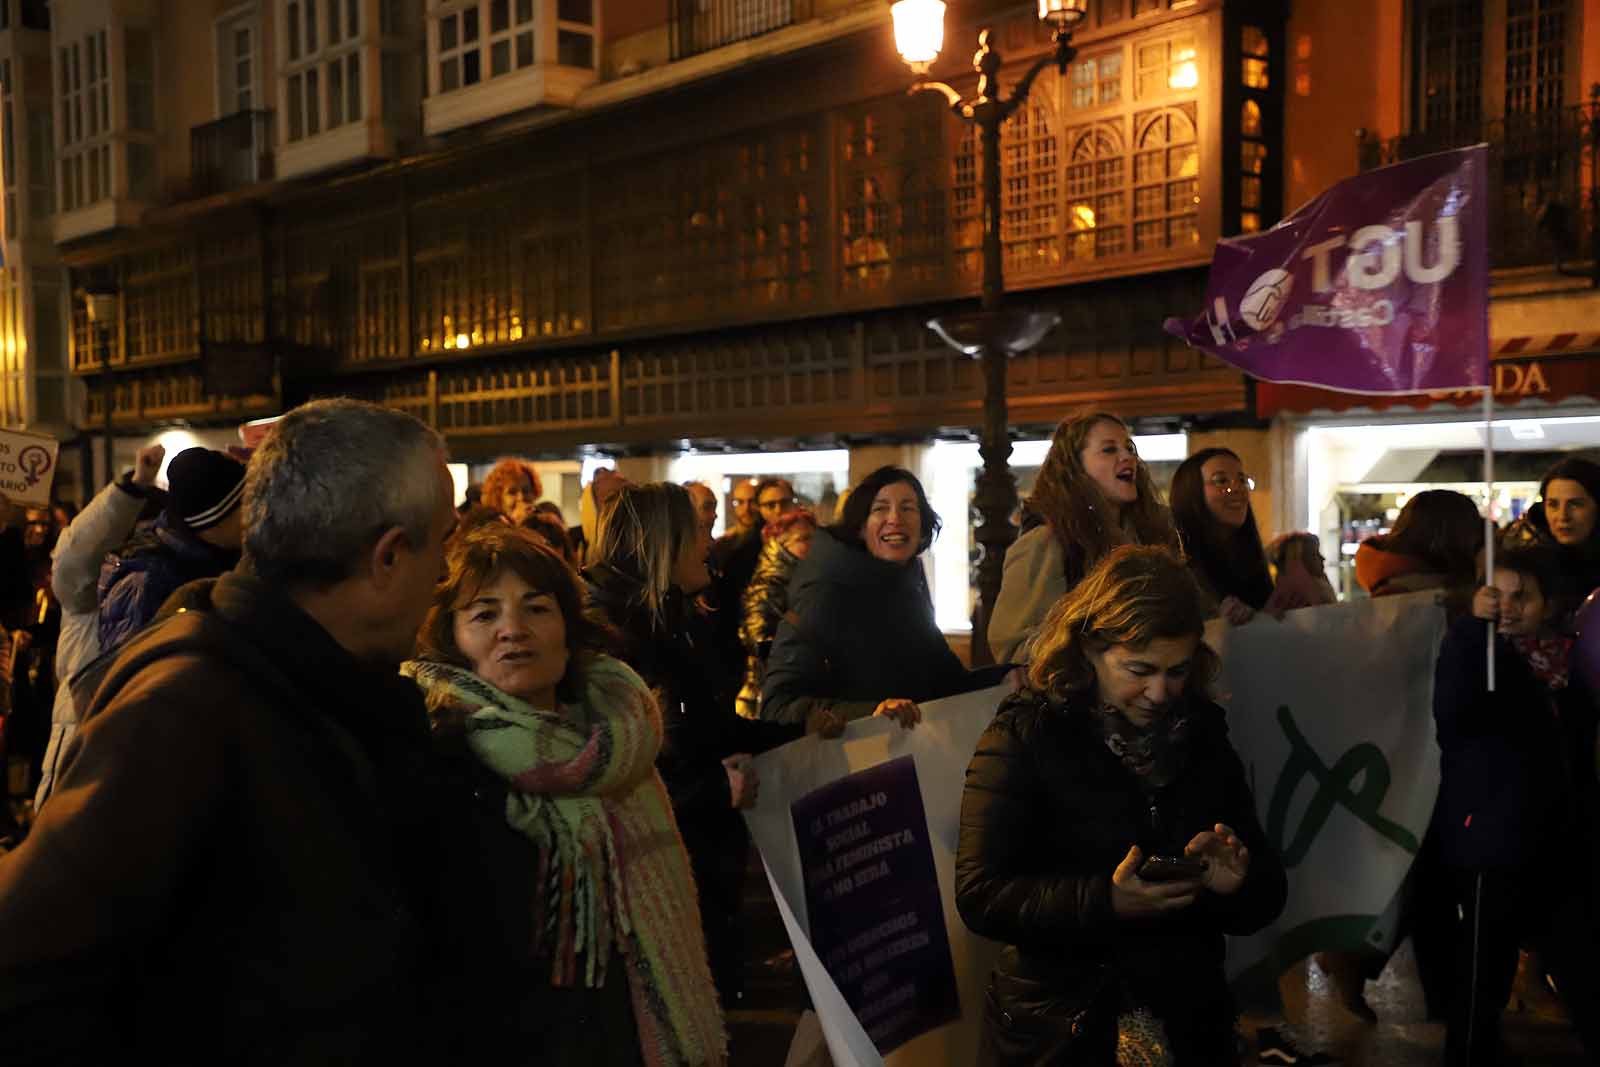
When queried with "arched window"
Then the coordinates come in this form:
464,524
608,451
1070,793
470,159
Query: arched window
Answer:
1166,179
1097,212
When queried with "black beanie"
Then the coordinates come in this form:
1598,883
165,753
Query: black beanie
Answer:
203,487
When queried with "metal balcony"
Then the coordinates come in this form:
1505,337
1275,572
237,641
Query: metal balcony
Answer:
1542,180
231,153
697,26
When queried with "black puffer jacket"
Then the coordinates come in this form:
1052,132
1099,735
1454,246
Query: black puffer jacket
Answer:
866,634
1047,815
676,658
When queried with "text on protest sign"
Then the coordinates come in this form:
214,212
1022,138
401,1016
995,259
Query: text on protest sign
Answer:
865,836
27,467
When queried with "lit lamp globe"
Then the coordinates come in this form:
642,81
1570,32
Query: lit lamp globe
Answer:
919,31
1063,14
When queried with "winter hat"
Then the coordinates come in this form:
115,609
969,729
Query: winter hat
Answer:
204,487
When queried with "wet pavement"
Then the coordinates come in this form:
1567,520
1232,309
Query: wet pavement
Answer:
762,1025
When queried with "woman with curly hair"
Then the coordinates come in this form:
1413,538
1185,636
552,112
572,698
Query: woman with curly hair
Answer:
1108,836
604,959
512,488
1093,493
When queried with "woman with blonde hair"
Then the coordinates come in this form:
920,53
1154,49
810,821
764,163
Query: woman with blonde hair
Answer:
649,564
604,959
1108,835
512,488
1092,494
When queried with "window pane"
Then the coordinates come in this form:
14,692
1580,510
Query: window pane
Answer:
333,22
576,11
1250,119
450,74
352,17
574,49
524,11
499,58
525,49
447,33
1254,42
352,88
499,16
471,67
1255,73
469,25
311,27
296,109
294,31
313,103
336,93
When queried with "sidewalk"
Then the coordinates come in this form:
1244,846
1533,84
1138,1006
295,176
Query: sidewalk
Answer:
760,1028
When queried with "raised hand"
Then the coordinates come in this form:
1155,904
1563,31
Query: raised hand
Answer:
148,464
1227,859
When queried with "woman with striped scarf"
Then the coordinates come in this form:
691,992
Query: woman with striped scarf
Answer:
614,967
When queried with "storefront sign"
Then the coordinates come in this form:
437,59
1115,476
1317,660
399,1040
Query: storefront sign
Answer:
27,467
1546,379
872,897
1379,285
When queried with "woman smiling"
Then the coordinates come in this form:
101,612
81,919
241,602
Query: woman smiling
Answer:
860,638
1093,493
598,912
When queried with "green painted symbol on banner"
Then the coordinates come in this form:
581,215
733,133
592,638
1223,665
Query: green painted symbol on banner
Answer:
1334,787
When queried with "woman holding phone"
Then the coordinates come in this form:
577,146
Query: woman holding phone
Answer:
1108,835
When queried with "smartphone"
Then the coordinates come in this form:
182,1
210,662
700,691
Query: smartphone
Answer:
1171,868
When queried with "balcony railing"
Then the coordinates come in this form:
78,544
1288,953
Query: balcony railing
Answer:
1542,181
700,25
231,152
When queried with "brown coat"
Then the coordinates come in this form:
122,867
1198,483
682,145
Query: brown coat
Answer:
234,867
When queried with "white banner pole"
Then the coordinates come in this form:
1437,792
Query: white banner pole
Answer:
1489,526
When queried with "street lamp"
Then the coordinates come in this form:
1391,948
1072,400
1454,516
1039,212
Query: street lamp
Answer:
991,335
100,303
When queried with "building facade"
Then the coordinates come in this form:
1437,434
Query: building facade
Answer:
641,226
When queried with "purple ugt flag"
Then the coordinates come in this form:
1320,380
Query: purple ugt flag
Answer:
1379,285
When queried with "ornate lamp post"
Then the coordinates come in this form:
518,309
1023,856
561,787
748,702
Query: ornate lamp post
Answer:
992,334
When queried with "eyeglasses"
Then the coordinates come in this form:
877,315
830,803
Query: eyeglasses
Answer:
1242,484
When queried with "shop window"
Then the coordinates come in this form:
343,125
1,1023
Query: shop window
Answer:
323,72
1097,82
1166,66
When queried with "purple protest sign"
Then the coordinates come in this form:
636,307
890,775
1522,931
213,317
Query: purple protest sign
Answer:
873,904
1379,285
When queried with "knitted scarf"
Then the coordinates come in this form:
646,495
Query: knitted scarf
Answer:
613,876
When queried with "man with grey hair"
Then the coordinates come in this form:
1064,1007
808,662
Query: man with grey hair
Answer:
235,864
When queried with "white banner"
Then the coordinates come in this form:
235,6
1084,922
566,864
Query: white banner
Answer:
1331,712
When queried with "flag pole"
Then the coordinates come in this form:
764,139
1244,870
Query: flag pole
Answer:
1489,528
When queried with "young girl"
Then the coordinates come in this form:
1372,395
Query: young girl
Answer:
1504,813
1211,509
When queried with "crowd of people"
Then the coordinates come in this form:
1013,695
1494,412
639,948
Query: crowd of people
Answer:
330,770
